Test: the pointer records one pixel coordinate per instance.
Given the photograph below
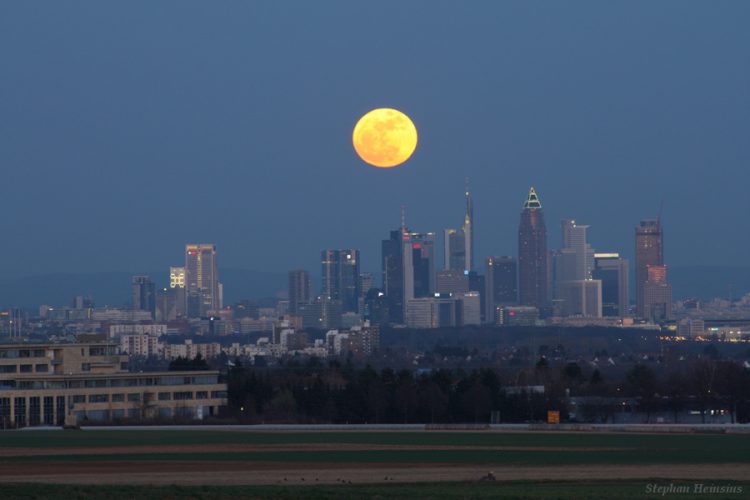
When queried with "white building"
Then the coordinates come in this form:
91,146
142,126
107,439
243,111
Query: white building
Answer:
140,344
119,329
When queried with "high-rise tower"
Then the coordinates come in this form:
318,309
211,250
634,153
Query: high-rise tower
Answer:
393,275
340,271
532,254
459,243
468,228
299,289
201,279
144,294
612,270
649,251
419,252
501,285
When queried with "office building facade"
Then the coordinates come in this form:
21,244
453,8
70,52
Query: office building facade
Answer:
459,243
143,294
649,251
201,280
340,277
612,271
657,295
299,289
501,285
533,278
68,384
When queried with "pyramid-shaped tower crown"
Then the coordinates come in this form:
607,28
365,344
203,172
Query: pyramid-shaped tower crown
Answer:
533,200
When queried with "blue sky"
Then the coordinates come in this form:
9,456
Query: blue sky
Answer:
130,128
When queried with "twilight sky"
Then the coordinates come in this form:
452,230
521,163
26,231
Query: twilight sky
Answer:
130,128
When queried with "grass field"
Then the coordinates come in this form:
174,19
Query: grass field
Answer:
543,448
209,464
510,490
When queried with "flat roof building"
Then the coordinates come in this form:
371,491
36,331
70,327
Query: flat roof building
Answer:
56,384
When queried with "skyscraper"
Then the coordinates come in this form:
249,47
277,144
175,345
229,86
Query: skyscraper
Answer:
419,265
468,227
167,304
575,242
201,279
450,281
501,285
649,251
176,277
532,254
408,269
579,298
299,289
144,294
366,282
575,293
454,250
459,243
612,270
177,291
340,271
393,275
657,295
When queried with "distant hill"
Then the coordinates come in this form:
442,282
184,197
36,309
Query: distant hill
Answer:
113,288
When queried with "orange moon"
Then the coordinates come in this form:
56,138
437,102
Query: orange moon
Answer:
384,137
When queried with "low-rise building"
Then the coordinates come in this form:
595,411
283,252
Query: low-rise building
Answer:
56,384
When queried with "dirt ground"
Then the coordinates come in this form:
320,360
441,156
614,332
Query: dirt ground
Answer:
223,448
84,470
237,473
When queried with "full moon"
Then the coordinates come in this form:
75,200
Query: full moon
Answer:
384,137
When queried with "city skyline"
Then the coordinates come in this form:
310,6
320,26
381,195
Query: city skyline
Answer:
438,252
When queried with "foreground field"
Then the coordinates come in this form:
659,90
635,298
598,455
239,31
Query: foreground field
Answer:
510,490
361,464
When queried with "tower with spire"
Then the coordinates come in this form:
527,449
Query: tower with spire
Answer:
459,243
468,228
533,277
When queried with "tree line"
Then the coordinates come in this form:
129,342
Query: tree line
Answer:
340,392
